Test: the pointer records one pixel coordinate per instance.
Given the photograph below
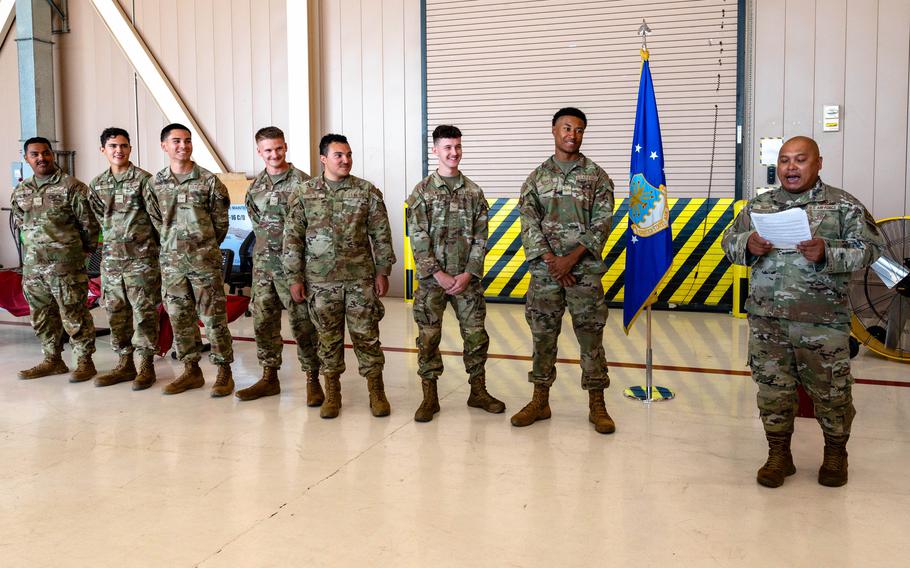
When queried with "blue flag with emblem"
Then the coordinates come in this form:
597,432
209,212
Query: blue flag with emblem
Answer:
649,240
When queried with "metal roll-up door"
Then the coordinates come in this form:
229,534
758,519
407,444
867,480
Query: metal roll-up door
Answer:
499,69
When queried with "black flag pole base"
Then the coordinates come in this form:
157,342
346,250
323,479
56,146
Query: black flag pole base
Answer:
640,393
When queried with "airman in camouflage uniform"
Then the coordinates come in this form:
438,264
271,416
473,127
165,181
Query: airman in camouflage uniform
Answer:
130,278
798,308
566,210
191,214
58,231
337,256
267,206
447,224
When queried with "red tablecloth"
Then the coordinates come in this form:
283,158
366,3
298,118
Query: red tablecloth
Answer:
13,300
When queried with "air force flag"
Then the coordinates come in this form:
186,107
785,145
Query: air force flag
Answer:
649,241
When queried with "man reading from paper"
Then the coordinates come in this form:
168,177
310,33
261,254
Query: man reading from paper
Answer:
798,308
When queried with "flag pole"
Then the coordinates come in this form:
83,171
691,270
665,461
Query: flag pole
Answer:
649,369
649,393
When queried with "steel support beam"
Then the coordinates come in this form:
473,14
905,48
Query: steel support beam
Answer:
7,16
36,69
164,93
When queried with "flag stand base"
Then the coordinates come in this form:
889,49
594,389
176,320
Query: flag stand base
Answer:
658,394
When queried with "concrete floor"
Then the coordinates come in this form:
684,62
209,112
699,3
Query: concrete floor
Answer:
111,477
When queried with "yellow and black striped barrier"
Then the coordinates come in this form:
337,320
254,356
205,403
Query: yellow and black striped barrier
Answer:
700,275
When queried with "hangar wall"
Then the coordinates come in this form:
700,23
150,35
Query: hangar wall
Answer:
852,53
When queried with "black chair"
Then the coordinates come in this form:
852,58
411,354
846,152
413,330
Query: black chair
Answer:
243,276
227,264
93,267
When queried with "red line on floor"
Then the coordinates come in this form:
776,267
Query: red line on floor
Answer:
675,368
624,365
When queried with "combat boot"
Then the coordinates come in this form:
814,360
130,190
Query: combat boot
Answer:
146,376
52,365
268,385
537,409
85,370
430,404
123,372
224,383
480,398
833,472
332,404
780,460
379,404
191,378
314,394
598,415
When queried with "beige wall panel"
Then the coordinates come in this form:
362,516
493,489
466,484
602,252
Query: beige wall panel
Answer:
242,83
831,31
768,110
859,99
799,66
891,108
371,152
370,86
352,90
224,77
187,36
261,76
9,142
277,58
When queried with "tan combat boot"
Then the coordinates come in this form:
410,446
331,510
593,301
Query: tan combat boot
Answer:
224,382
146,376
379,404
598,415
430,404
314,394
52,365
268,385
480,398
833,472
191,378
85,370
123,372
780,460
332,404
537,409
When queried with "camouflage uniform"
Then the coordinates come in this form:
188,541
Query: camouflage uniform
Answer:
327,244
58,230
448,232
560,211
267,205
799,311
130,277
192,219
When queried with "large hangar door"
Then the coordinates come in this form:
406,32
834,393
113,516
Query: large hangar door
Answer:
499,69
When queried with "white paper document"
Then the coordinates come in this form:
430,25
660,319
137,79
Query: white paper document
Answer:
785,229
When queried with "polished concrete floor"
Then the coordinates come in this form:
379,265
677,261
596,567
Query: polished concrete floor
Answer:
111,477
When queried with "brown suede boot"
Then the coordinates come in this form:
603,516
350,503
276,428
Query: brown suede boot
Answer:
780,461
314,394
146,376
833,472
191,378
52,365
85,370
480,398
332,404
598,415
430,404
268,385
224,382
537,409
379,404
123,372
